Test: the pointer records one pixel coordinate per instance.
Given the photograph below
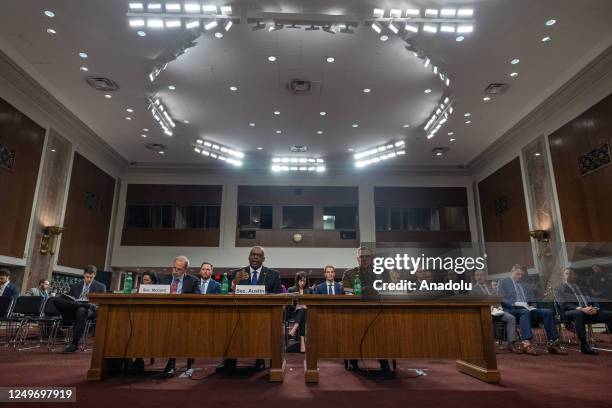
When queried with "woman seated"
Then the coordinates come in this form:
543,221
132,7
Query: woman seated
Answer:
299,313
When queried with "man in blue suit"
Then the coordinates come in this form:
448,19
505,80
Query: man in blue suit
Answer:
7,289
330,286
518,300
208,286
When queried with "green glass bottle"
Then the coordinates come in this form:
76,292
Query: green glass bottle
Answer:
357,288
224,284
127,285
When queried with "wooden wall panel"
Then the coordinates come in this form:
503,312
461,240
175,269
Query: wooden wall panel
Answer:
173,194
170,237
88,215
303,195
18,185
584,200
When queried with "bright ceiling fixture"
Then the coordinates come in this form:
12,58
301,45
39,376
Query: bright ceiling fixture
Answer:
108,96
431,13
515,61
465,13
259,148
278,132
128,118
145,129
367,90
218,151
271,58
186,122
460,38
210,25
427,91
464,29
384,38
136,22
173,23
376,28
51,31
355,125
445,28
452,139
451,133
252,124
439,117
405,125
84,69
467,114
49,13
330,59
429,28
379,153
155,23
154,7
300,164
141,33
546,39
209,9
319,132
413,13
143,136
322,113
233,88
173,7
551,22
228,25
192,7
277,112
393,28
219,35
412,28
468,122
171,87
378,13
83,54
161,115
130,110
448,13
514,74
226,10
486,98
395,13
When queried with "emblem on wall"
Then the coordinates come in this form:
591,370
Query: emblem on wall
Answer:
91,201
501,205
7,157
593,160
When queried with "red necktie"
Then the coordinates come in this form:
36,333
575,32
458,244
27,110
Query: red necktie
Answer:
174,286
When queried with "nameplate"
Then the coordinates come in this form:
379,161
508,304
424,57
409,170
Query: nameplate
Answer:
156,289
250,290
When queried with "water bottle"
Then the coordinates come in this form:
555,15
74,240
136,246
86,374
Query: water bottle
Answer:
127,285
357,288
224,284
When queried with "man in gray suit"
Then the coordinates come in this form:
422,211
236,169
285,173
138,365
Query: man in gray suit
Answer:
40,290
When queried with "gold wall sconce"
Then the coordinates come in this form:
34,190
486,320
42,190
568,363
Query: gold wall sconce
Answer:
542,239
48,243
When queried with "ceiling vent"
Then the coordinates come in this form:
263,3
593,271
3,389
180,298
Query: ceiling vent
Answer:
299,87
102,84
298,149
496,88
156,147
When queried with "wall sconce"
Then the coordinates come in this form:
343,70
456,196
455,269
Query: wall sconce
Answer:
542,239
48,243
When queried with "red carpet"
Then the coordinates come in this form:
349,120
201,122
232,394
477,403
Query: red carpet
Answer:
545,381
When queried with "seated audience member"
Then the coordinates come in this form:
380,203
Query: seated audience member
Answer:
148,278
330,286
180,283
40,290
299,311
365,259
580,308
254,274
482,289
79,310
518,300
601,289
7,289
207,285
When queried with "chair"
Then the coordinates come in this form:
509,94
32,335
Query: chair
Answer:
24,313
47,322
5,309
499,330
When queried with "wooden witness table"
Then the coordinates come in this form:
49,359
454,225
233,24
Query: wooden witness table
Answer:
183,326
449,329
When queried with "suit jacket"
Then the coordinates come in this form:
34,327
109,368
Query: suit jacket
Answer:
37,292
505,288
214,287
294,289
270,278
76,288
568,301
11,291
321,288
190,284
478,291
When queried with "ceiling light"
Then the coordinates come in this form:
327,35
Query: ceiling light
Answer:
210,25
145,129
376,28
463,29
259,148
546,39
161,115
427,91
406,125
306,164
395,13
251,124
107,96
192,24
465,12
412,28
384,38
142,33
161,152
277,112
447,28
233,88
467,122
428,28
192,7
330,59
467,114
551,22
83,55
226,10
209,9
173,23
378,13
171,87
393,28
271,58
448,13
367,90
186,122
431,13
219,35
137,22
451,133
460,38
128,118
452,139
49,13
514,74
486,98
515,61
85,69
51,31
154,7
228,25
130,110
322,113
426,62
319,132
278,132
155,23
537,154
355,125
413,12
438,153
143,136
173,7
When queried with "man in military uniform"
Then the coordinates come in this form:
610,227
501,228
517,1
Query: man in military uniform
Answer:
365,258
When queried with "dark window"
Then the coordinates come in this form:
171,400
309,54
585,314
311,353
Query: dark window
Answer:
297,217
420,219
338,218
197,216
381,219
395,215
213,216
456,218
149,216
255,216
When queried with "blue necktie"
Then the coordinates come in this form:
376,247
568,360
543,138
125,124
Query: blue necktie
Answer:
254,278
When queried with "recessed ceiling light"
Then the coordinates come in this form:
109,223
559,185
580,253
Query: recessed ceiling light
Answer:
367,90
186,122
219,34
233,88
128,118
271,58
406,125
51,31
514,74
130,110
486,98
53,150
85,69
546,39
277,112
537,154
161,152
460,38
145,129
467,114
551,22
259,148
107,96
83,55
451,133
515,61
278,132
384,38
141,33
322,113
355,125
49,13
171,87
438,153
452,139
330,59
251,124
319,132
467,122
427,91
143,135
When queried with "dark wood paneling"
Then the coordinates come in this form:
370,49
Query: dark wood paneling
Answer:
584,201
85,239
423,237
170,237
311,238
302,195
173,194
509,226
18,185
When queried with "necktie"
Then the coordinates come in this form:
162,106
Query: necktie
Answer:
174,286
254,278
520,294
486,289
330,289
44,294
204,287
578,293
84,292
